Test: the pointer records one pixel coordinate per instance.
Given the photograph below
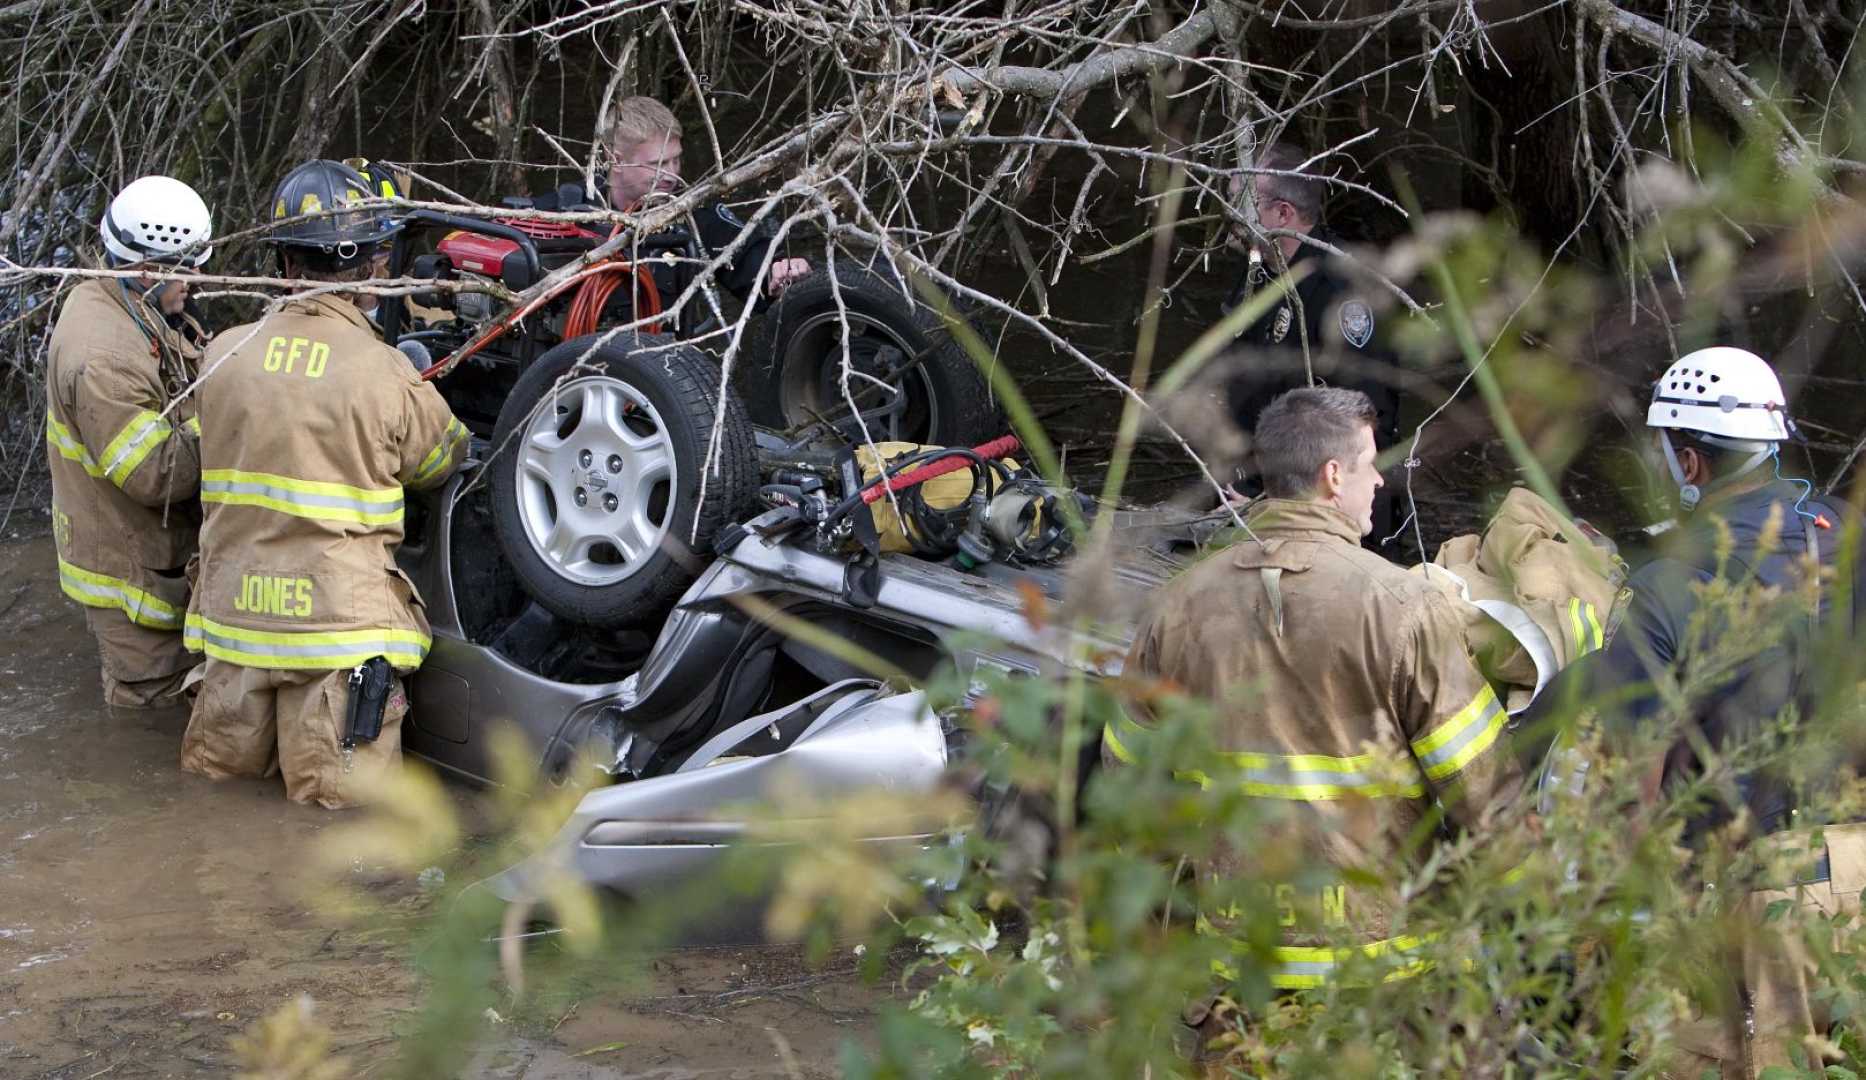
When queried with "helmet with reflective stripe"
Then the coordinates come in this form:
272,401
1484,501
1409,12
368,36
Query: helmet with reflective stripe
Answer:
157,219
383,181
1723,392
308,218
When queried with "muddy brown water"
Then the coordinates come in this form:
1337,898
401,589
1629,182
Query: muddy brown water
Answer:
147,916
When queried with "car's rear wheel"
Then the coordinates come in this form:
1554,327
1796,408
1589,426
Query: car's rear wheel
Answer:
597,476
909,379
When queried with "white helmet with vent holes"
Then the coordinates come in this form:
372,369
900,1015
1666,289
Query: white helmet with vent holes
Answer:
157,219
1722,391
1726,397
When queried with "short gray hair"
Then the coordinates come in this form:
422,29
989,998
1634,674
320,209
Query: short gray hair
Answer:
1305,429
1301,191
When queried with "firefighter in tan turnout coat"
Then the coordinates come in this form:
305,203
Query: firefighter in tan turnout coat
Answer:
312,428
1343,685
124,472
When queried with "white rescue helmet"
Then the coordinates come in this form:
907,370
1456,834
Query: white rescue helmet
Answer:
1722,391
153,219
1725,397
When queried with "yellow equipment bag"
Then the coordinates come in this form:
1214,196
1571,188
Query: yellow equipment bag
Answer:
941,493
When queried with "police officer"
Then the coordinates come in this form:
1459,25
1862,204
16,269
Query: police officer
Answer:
312,428
1719,418
1314,649
1323,324
123,451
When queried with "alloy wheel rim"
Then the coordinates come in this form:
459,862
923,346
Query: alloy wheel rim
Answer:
596,480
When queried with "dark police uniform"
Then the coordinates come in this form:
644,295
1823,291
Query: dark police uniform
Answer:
1339,324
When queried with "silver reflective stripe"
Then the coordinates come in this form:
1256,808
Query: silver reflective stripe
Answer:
130,444
133,602
312,651
1306,777
443,451
102,592
68,447
1473,729
299,498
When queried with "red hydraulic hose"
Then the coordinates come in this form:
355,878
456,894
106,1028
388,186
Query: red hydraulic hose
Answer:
992,450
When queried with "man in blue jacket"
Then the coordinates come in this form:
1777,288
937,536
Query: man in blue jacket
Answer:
1720,417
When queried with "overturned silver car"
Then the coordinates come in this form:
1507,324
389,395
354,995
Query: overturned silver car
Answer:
718,708
596,579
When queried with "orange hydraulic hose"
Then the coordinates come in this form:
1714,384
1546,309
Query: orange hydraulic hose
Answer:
607,274
586,310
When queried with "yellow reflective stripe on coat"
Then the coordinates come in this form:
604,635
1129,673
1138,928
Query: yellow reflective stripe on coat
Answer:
313,499
1318,777
1300,967
1299,777
317,650
59,437
192,426
92,589
1452,745
1582,619
443,452
1115,745
133,444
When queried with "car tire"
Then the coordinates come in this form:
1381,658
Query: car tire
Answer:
793,377
596,476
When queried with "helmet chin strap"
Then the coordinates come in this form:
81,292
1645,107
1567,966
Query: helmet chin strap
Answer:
1689,494
154,292
151,292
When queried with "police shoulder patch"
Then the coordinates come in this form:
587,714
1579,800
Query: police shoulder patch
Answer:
726,215
1357,323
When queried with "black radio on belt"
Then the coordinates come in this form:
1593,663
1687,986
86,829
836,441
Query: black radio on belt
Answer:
369,696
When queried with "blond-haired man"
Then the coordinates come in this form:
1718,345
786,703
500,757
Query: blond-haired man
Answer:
644,151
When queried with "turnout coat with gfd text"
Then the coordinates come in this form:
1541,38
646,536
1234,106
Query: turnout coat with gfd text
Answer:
311,427
123,474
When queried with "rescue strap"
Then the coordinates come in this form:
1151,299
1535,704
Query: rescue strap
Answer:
96,590
316,650
313,499
1307,967
1273,592
1585,623
1441,753
436,461
132,445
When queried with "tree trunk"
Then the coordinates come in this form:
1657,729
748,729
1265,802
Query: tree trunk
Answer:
507,113
322,103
